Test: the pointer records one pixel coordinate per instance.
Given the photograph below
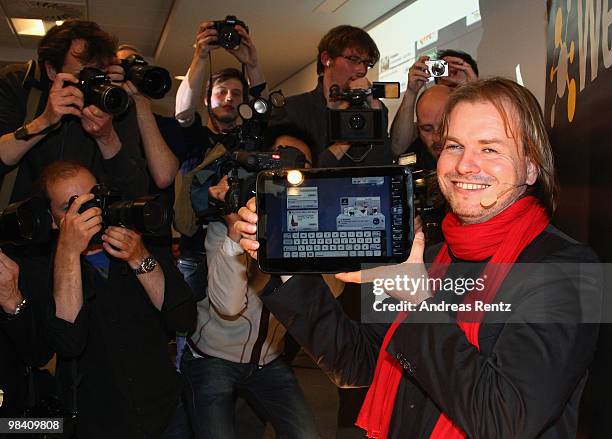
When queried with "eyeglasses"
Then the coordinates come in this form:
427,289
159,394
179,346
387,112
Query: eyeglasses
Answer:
356,60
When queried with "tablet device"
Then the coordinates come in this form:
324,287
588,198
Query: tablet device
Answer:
333,220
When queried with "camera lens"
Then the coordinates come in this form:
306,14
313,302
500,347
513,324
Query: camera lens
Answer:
155,82
113,100
357,121
437,69
229,38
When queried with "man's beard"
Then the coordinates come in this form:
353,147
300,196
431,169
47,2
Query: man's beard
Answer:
225,118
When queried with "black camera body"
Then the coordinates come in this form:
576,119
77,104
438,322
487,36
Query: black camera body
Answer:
359,123
228,38
146,214
153,81
97,90
25,222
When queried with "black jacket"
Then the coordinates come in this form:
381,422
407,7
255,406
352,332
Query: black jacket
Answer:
127,385
125,171
309,112
23,346
525,381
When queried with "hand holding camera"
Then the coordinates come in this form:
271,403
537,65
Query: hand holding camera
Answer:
418,75
10,296
77,229
64,98
229,34
124,244
247,228
459,71
219,192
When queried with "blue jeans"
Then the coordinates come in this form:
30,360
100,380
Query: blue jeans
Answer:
195,272
272,391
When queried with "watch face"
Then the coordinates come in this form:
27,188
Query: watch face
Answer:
149,264
21,133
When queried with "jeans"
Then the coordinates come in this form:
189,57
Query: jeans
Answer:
271,390
195,273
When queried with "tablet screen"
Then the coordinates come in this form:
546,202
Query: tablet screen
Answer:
334,219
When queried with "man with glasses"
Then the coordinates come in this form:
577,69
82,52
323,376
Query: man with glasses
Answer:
345,54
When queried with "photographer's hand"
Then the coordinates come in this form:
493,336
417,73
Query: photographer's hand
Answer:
364,83
61,101
413,267
115,72
127,245
10,296
99,125
403,128
77,229
218,192
418,75
204,37
246,53
459,72
247,227
124,244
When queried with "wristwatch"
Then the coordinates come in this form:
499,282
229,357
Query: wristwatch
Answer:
22,133
147,265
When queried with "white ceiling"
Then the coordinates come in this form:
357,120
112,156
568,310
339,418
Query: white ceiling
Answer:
286,32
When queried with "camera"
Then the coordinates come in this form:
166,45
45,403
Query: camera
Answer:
227,36
359,123
153,81
97,90
242,168
25,222
437,68
147,215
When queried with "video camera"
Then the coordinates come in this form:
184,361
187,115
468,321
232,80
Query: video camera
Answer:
153,81
145,214
359,123
429,203
97,90
25,222
227,36
242,168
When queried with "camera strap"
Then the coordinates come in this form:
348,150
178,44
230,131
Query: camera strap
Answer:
32,81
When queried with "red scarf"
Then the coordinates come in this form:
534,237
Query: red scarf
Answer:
501,238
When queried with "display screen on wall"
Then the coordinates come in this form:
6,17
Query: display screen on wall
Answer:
421,28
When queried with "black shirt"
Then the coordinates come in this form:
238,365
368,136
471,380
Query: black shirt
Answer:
125,171
128,386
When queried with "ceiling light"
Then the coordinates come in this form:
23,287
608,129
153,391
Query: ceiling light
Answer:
179,77
29,26
32,26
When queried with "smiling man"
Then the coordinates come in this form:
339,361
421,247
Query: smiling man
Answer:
480,374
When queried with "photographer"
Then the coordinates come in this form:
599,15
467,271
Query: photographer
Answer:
23,347
462,68
236,349
345,54
162,140
226,97
43,116
114,306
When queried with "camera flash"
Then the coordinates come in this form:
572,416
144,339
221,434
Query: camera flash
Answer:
295,177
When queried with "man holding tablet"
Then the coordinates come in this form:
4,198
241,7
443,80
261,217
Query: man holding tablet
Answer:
488,371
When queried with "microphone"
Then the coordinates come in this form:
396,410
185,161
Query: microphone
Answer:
489,200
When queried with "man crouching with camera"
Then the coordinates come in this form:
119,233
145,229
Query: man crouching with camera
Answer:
115,301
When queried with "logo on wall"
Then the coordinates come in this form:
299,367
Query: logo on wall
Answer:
578,31
560,71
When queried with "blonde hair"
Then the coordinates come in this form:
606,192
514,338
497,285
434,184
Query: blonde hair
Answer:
504,93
